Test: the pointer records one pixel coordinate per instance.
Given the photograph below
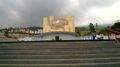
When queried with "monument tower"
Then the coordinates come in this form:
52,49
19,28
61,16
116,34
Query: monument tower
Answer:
53,24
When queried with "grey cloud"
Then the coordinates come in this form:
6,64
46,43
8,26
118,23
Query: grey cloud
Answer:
86,4
31,12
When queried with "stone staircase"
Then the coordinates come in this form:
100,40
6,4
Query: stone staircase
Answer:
60,54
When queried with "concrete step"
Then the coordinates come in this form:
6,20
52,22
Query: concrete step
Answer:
109,64
37,48
35,45
59,56
63,49
60,51
60,61
56,48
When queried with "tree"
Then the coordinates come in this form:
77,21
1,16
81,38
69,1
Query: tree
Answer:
91,28
0,30
6,33
116,26
96,25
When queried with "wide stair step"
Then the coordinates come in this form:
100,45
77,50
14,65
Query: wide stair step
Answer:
60,54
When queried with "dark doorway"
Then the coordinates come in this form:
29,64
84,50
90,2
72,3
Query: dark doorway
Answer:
57,38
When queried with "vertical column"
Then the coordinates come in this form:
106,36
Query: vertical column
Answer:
51,18
45,24
71,25
66,28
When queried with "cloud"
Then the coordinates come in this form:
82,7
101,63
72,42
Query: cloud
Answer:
31,12
103,15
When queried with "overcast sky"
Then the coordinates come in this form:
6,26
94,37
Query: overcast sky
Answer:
31,12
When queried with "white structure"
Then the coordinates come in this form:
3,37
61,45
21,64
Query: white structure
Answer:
59,36
52,36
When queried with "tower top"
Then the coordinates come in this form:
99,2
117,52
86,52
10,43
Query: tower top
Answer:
53,24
